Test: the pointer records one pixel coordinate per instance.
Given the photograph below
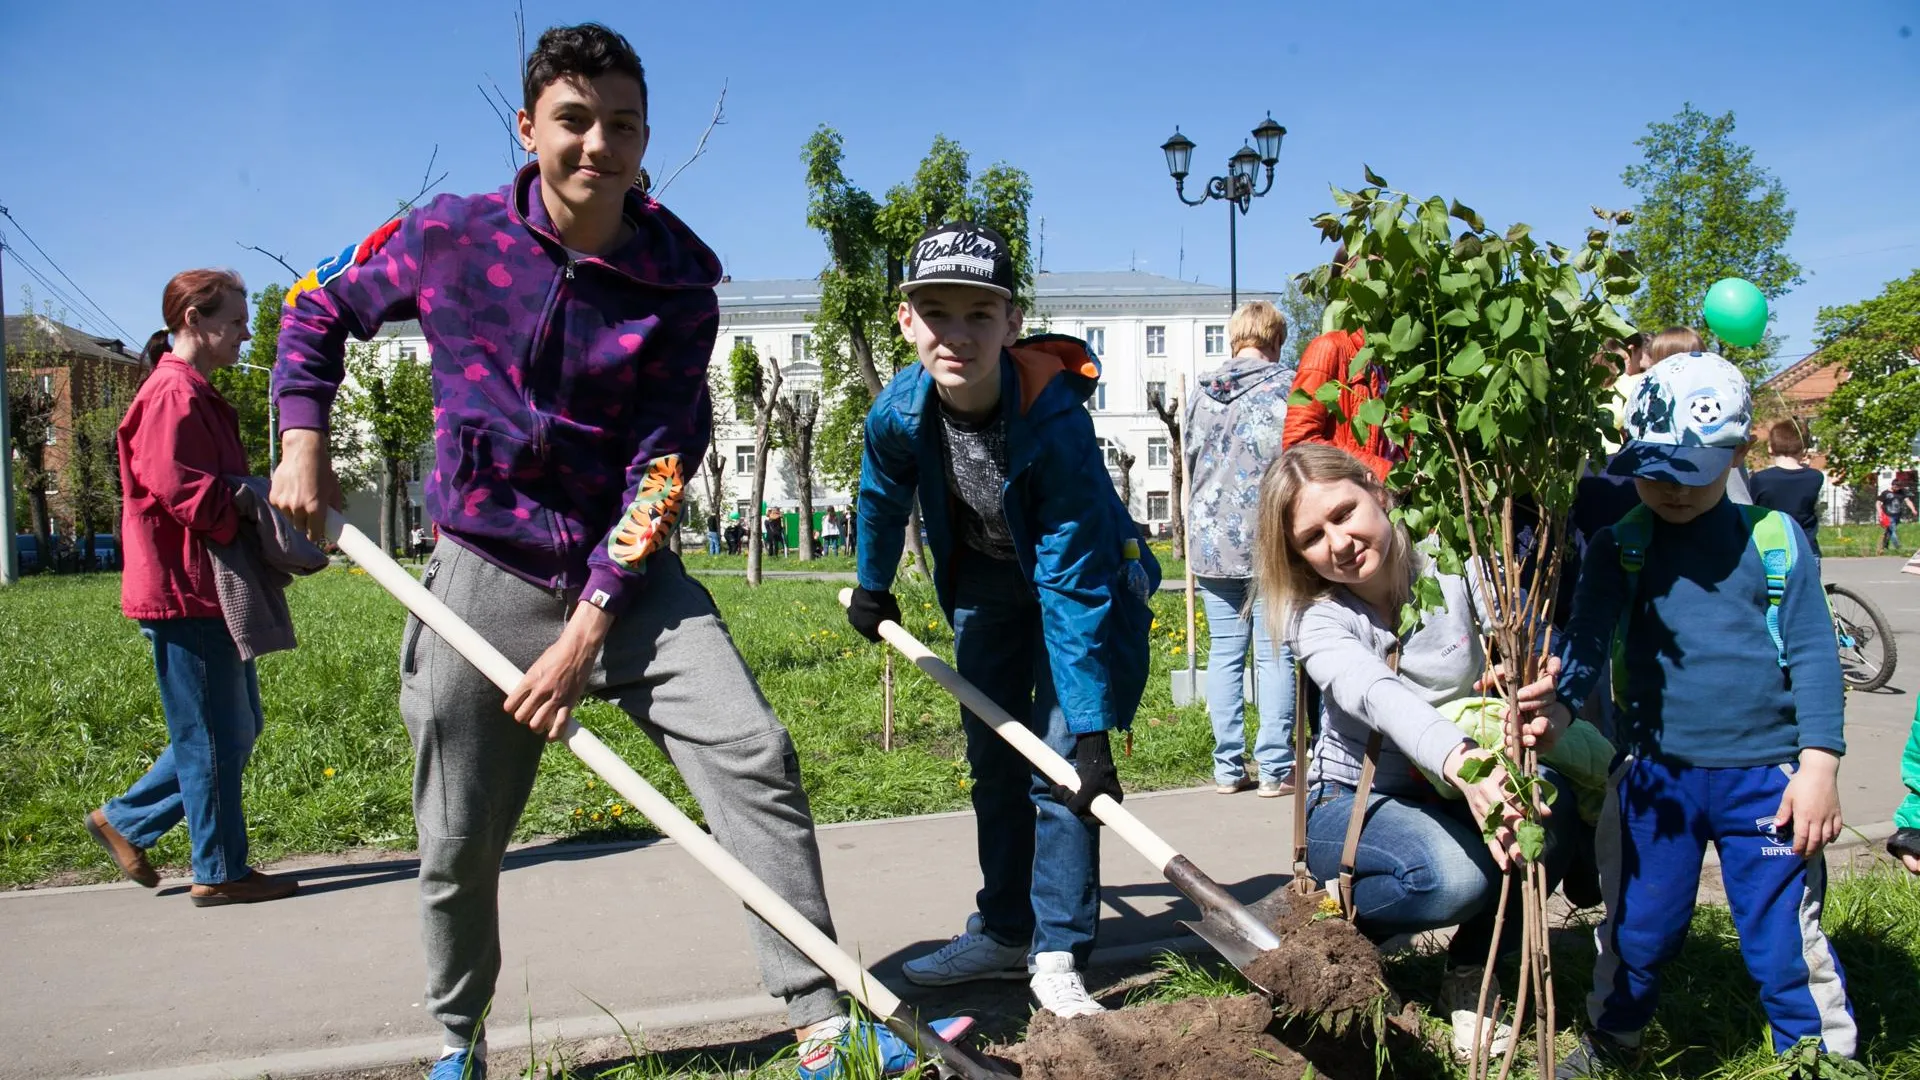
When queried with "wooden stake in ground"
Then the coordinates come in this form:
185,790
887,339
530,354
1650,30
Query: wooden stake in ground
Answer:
886,698
1186,549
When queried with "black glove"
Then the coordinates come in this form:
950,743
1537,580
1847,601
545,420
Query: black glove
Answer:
1904,842
868,610
1093,761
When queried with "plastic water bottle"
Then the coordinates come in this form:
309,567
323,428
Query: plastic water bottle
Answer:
1136,574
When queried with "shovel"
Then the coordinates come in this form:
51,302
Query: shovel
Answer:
1230,927
877,999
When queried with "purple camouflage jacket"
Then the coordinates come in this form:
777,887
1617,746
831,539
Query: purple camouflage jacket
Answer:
570,393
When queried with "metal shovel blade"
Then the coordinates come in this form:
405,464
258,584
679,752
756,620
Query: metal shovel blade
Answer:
948,1059
1229,926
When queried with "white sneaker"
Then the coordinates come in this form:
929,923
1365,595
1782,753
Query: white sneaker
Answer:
1059,988
968,958
1459,997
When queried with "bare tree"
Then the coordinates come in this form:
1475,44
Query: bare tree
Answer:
1177,460
798,413
1123,462
716,482
765,396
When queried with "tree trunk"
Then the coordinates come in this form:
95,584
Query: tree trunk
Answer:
1177,503
716,487
762,435
42,518
804,430
389,480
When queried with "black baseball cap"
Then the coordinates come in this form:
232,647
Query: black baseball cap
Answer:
960,253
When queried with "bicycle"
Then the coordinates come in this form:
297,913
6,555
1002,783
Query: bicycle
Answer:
1867,649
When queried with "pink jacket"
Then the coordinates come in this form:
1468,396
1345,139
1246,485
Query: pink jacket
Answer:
178,444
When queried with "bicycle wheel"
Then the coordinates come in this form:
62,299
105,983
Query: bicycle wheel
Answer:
1867,649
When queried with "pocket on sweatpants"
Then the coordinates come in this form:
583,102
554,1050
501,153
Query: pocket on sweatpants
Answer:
410,638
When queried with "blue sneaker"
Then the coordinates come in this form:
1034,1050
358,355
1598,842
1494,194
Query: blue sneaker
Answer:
824,1056
468,1064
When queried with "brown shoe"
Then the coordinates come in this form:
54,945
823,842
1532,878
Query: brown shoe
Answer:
131,860
252,889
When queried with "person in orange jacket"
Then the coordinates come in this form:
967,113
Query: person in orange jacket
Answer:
1328,358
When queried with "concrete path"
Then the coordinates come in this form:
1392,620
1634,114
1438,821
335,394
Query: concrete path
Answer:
113,979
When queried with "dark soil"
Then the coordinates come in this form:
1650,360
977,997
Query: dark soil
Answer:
1323,967
1195,1039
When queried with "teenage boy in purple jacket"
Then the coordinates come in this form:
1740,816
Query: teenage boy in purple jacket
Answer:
570,320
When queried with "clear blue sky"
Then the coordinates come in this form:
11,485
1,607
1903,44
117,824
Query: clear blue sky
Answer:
146,138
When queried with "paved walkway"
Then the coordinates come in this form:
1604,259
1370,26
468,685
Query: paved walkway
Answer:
113,979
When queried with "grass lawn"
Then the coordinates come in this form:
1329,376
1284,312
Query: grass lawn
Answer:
80,720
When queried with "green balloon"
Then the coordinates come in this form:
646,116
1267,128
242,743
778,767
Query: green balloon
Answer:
1736,311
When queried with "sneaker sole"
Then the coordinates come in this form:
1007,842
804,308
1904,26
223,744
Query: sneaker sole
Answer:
1002,975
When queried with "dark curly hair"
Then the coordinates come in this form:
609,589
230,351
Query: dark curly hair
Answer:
588,50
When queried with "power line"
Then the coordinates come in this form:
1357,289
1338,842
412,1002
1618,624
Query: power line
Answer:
73,309
124,336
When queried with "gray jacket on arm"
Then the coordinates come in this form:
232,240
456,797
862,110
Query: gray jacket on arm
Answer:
1345,648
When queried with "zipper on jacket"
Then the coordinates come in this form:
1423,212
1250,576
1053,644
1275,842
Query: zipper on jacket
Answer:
569,268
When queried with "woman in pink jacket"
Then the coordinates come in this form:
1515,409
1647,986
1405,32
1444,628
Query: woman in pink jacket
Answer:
179,443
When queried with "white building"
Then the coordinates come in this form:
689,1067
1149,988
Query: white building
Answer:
1150,332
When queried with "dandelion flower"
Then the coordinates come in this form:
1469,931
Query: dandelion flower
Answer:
618,809
577,812
327,772
589,784
596,816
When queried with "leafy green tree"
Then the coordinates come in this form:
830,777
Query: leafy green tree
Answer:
1303,321
1872,421
246,388
868,241
1488,339
388,398
757,395
1707,211
30,414
90,475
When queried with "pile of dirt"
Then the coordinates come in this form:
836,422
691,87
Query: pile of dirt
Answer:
1322,968
1194,1039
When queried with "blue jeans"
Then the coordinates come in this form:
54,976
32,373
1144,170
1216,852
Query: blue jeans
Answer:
1039,864
211,698
1422,865
713,543
1226,683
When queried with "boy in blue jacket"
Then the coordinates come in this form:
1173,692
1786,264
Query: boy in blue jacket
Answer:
1727,685
1044,577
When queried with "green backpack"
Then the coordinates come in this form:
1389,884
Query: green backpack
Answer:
1772,536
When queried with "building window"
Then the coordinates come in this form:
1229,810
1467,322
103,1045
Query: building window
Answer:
805,401
1157,452
799,348
1098,401
742,460
1159,507
409,354
1156,341
1156,394
1216,340
1097,339
1109,452
743,339
46,385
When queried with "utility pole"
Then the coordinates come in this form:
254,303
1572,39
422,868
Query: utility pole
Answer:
9,558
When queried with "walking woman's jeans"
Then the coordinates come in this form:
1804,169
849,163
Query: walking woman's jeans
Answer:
1226,683
1422,864
211,698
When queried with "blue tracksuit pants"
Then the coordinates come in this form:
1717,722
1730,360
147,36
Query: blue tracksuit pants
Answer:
1652,836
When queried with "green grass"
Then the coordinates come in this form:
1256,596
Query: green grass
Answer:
1849,540
1710,1025
80,720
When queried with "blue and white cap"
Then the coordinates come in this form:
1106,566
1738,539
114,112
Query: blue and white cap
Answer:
1689,416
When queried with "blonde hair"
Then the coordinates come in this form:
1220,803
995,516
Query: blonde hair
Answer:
1672,341
1286,581
1259,324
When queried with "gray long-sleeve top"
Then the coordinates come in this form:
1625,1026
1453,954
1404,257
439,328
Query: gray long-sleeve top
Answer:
1345,647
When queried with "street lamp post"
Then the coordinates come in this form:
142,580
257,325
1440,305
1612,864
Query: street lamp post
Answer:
1236,188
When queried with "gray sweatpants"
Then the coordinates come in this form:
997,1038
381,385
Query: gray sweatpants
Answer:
671,666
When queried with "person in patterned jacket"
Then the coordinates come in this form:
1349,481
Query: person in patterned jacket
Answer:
570,320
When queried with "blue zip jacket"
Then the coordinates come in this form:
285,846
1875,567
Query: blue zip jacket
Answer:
1704,685
1068,525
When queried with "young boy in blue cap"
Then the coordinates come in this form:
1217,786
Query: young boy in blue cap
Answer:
1727,682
